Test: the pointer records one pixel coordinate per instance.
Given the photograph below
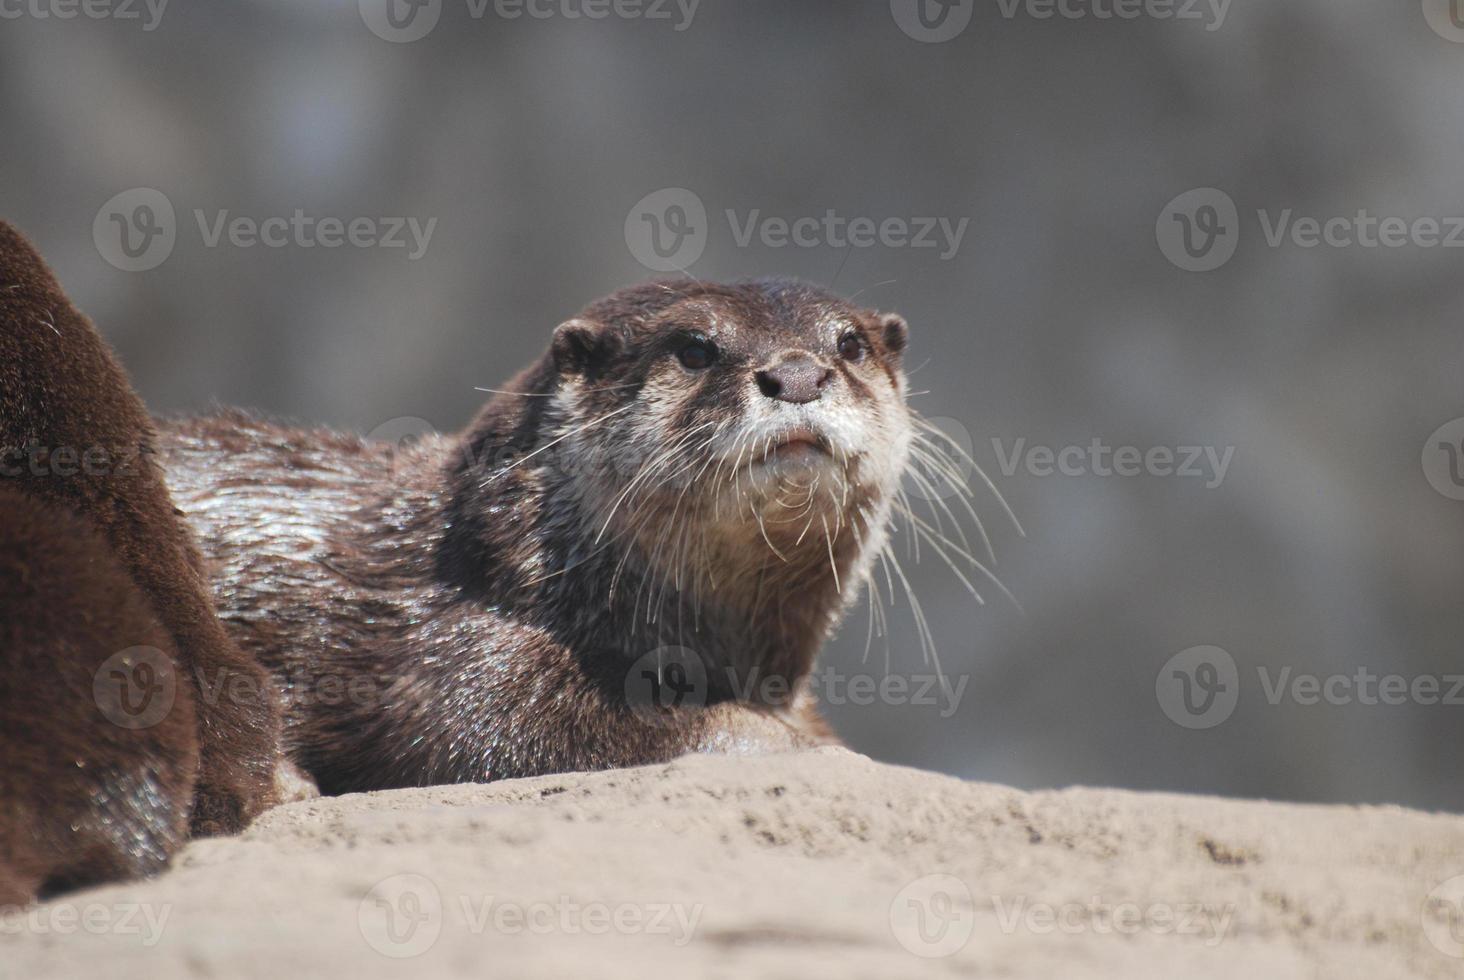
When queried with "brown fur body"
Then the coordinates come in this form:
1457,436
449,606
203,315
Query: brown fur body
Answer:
81,799
76,442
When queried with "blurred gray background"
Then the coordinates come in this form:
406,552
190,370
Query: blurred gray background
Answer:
1058,321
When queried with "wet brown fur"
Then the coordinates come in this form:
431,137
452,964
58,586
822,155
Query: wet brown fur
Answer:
441,613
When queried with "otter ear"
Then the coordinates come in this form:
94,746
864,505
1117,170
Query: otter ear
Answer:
580,346
893,331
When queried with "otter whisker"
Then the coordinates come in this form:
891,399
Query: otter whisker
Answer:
763,528
550,394
644,469
833,566
936,460
554,442
887,282
938,506
638,519
923,530
975,466
598,549
927,639
912,543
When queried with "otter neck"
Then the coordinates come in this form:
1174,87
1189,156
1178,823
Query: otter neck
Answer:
526,535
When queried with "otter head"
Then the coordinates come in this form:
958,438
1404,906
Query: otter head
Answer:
746,440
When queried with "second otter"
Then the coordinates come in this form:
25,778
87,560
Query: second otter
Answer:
688,487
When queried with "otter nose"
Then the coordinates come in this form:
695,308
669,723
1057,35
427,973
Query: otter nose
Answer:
798,379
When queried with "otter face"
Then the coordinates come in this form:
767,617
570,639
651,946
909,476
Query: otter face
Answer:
764,410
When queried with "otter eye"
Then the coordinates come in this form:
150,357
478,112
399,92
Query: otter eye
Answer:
698,353
851,348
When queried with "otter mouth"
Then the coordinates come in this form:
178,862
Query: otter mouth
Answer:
796,446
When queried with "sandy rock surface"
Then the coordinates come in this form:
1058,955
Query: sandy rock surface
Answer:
818,865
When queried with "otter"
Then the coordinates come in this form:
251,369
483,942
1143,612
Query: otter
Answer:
689,486
94,563
634,551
